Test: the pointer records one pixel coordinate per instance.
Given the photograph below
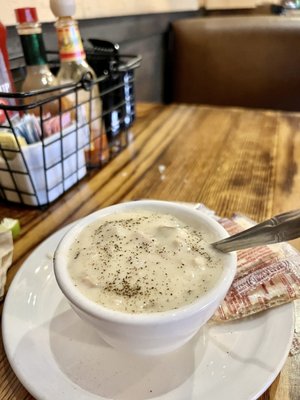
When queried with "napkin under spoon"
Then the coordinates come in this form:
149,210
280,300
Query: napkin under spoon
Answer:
277,229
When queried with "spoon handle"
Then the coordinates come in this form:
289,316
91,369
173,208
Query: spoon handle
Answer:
277,229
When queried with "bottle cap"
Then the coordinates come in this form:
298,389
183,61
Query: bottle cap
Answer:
63,8
26,14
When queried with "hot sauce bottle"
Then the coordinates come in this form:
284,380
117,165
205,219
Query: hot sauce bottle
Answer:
38,74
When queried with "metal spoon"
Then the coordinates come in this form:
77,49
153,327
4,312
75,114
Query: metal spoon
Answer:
280,228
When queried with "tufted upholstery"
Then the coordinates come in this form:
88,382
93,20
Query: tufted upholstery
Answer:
248,61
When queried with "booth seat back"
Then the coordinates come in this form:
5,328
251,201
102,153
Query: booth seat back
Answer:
237,61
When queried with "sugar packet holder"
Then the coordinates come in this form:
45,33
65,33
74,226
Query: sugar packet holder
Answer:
40,172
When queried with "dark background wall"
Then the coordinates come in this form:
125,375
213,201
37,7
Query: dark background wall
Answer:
142,34
145,35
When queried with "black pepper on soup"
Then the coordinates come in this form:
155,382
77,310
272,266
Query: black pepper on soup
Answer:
143,261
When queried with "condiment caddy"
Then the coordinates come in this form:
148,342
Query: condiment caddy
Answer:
55,130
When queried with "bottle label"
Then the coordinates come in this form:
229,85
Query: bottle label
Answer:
70,44
33,49
5,86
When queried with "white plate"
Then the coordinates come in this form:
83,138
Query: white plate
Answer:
56,356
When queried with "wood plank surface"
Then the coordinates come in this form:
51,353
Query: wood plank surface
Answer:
229,159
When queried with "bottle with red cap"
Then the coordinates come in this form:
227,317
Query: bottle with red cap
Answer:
6,81
38,74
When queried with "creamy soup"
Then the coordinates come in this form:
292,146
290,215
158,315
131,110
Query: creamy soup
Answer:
143,262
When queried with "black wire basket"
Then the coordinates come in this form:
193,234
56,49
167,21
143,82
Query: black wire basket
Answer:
57,152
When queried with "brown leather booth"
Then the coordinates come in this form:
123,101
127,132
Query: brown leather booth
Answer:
247,61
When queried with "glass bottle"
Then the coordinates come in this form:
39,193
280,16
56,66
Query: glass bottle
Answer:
73,67
38,74
6,81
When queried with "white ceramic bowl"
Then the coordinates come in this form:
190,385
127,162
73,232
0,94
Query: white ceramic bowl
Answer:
143,333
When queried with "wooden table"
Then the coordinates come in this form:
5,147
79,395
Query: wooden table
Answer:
229,159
